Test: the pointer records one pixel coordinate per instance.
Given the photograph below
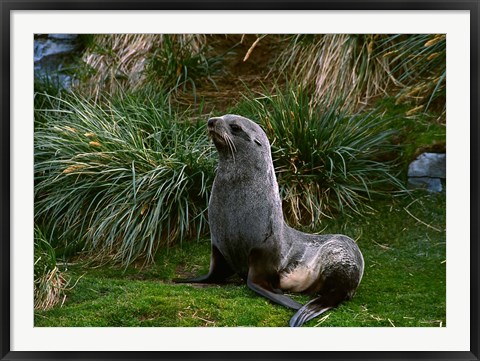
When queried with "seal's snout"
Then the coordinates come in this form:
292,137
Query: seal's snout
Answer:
219,134
212,121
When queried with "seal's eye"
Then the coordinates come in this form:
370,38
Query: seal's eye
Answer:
235,128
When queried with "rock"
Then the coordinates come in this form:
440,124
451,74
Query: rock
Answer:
432,165
63,36
52,56
430,184
427,171
48,47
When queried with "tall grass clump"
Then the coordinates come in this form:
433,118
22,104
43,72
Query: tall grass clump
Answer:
121,179
180,64
49,282
362,67
326,160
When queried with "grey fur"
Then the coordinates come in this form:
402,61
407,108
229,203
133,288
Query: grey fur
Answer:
250,237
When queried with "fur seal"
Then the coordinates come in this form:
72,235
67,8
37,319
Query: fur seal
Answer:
250,237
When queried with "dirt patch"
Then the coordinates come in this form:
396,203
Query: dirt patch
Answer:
238,73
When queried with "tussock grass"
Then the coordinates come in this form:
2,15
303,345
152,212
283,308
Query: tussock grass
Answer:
326,160
363,67
121,179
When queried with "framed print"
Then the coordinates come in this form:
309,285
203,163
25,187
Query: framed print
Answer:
244,180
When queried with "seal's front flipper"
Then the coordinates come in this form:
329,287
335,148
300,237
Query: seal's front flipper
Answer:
311,310
219,270
264,280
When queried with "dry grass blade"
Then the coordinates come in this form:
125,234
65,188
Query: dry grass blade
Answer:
250,50
49,290
418,219
422,222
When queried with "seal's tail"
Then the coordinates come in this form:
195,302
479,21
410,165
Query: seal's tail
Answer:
314,308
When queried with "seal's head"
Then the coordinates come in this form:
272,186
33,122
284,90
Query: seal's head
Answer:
235,136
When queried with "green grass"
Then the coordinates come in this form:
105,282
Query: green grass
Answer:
404,282
416,133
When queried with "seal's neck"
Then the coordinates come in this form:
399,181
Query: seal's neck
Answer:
239,168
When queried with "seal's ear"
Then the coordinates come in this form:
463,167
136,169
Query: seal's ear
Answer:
258,142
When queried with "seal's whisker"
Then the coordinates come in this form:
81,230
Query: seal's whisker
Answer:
225,139
234,148
230,144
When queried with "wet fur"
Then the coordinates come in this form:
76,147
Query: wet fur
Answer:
251,238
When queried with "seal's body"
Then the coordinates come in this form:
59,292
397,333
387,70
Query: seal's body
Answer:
250,237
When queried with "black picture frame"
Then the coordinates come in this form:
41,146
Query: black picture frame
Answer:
5,143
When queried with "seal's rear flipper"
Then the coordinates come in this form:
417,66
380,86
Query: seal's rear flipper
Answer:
272,295
219,270
311,310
